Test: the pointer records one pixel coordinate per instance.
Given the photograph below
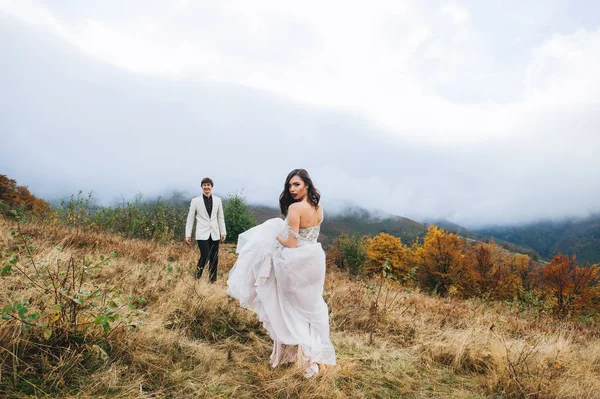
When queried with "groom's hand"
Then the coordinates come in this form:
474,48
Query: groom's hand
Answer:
188,240
223,237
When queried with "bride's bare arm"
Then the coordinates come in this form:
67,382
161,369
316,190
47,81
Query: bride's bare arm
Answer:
294,226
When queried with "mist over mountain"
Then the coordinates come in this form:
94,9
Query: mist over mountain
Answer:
577,236
73,121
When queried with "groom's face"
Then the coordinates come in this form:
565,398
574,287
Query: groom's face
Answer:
206,189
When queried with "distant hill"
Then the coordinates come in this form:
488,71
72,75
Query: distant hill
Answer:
580,237
262,213
362,221
482,236
454,228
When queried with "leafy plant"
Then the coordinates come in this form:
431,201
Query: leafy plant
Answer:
382,303
69,304
385,249
354,253
238,216
76,211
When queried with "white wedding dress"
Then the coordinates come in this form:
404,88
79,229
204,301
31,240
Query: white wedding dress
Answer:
284,287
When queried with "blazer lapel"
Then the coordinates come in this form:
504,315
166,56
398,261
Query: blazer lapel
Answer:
215,201
203,207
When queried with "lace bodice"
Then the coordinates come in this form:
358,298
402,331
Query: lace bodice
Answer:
310,234
307,234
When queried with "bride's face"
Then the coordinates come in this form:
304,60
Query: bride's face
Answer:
298,189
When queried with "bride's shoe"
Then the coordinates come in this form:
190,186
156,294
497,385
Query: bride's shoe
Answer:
311,370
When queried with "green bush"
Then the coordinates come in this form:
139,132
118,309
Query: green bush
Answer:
76,211
348,253
158,220
238,216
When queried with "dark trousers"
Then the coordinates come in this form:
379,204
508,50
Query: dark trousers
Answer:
209,252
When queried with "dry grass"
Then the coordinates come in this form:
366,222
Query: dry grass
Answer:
198,343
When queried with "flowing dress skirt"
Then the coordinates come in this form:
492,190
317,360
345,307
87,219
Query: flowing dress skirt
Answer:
284,287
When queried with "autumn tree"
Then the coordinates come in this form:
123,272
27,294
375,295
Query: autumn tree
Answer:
8,190
571,285
530,276
520,276
385,247
14,196
443,261
494,272
483,273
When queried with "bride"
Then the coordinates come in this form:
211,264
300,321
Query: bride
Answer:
279,274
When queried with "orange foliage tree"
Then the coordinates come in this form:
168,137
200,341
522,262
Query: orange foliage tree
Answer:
15,196
442,261
8,190
571,285
493,272
520,277
385,247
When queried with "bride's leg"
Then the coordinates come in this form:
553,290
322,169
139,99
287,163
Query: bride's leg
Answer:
305,363
289,353
283,353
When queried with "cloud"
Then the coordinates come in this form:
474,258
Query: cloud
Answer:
459,14
399,106
563,68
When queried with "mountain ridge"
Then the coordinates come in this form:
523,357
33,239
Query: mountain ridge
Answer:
577,236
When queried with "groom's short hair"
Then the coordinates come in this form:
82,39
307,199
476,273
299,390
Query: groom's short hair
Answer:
207,180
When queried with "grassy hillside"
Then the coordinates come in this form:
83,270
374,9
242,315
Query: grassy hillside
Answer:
195,342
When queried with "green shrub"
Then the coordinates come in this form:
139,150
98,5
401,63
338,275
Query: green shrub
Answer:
238,216
348,253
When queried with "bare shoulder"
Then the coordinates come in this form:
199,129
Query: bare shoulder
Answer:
296,208
301,207
319,213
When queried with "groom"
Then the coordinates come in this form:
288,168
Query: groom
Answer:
210,227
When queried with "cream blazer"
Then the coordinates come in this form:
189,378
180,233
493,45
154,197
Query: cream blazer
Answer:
212,226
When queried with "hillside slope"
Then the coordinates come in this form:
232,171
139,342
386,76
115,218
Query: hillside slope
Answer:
580,237
195,342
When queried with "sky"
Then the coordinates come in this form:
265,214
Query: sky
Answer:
479,112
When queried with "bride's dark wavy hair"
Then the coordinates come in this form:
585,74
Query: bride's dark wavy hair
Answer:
286,199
